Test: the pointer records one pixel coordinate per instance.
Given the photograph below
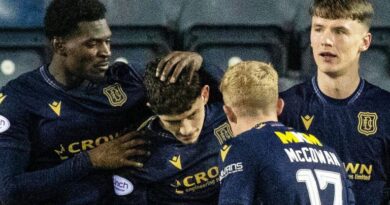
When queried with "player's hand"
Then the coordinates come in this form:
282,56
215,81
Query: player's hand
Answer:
172,65
118,152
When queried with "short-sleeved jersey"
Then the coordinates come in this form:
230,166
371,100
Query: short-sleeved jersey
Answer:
273,164
177,173
45,125
356,127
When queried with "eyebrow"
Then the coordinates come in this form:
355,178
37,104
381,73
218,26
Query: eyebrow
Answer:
193,113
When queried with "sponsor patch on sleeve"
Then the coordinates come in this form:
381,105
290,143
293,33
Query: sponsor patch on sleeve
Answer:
4,124
122,186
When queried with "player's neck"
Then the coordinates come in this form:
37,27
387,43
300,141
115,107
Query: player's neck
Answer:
58,70
339,87
247,123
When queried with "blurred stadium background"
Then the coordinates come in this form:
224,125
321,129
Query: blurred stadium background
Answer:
222,31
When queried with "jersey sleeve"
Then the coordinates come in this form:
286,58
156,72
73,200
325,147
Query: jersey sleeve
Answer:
128,188
238,174
16,182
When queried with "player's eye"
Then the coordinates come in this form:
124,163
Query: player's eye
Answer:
174,123
91,44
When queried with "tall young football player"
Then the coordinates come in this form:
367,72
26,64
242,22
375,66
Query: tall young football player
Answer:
266,162
337,105
56,121
185,136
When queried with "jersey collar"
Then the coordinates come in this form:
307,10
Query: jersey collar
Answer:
328,100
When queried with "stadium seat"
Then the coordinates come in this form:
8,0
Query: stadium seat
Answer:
374,63
139,30
22,42
226,31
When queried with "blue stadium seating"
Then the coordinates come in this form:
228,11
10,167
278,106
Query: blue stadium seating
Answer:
249,29
140,30
22,42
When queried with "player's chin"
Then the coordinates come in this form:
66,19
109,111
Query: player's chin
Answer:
188,140
97,78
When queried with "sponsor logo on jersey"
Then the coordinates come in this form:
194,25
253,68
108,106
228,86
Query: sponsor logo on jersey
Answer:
115,95
197,181
307,120
2,97
176,162
4,124
231,169
224,151
297,137
367,123
223,132
69,150
357,171
122,186
56,107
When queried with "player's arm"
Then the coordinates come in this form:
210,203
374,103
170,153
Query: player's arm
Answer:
238,175
18,184
171,66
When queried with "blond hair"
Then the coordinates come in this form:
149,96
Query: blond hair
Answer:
250,86
360,10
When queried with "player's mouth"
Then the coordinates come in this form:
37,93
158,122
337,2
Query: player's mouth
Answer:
328,56
103,66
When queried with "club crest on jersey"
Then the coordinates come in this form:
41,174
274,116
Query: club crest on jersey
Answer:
115,95
223,132
367,123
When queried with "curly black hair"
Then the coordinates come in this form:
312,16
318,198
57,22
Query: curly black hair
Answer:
62,16
171,98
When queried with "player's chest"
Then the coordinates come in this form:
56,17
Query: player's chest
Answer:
185,169
67,125
357,124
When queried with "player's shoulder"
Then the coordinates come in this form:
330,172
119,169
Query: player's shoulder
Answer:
214,114
27,83
122,71
298,92
260,134
376,92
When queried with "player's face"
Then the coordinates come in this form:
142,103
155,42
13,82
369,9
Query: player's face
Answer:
337,44
88,51
186,127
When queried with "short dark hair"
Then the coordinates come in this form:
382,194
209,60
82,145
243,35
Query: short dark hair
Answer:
62,16
171,98
360,10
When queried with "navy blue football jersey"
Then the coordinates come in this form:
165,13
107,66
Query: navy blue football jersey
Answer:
44,129
177,173
356,127
273,164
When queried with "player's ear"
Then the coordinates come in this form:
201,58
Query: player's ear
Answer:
205,93
58,45
231,116
366,42
279,106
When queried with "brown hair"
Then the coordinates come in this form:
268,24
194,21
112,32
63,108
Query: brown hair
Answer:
171,98
360,10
